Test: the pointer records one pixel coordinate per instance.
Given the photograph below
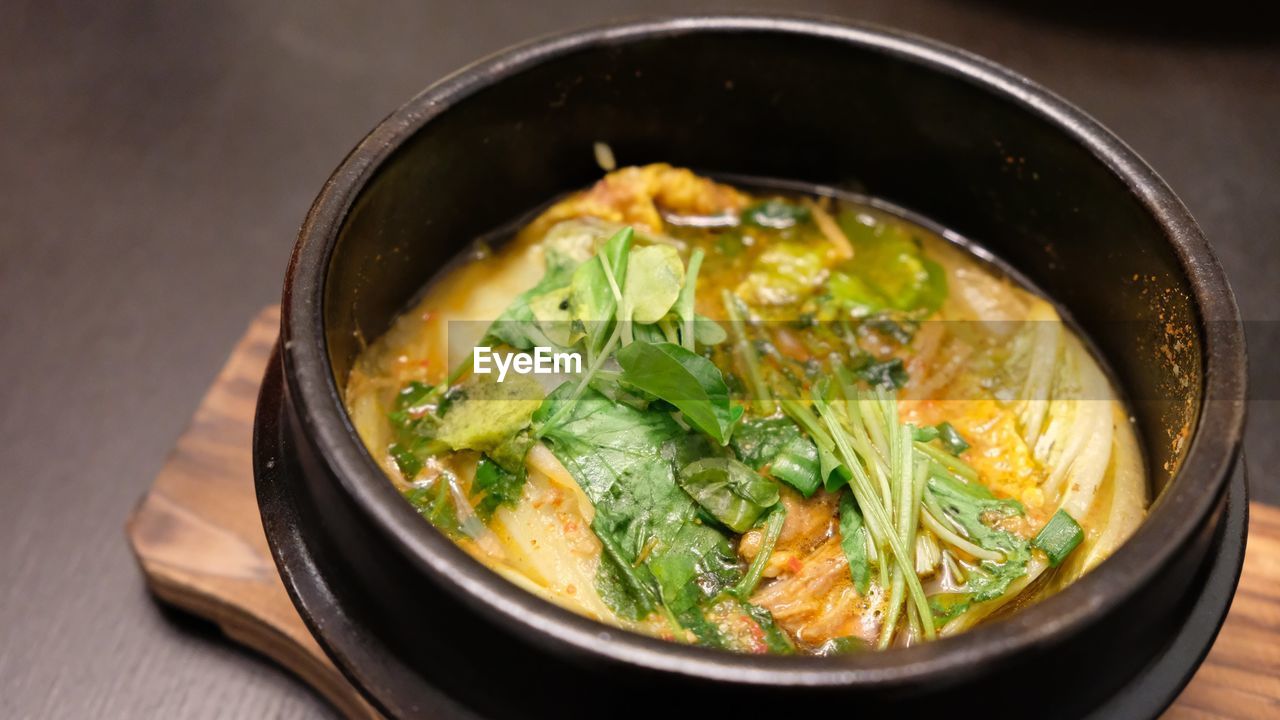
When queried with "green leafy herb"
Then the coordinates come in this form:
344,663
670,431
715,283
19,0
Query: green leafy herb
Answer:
611,448
934,292
975,510
774,637
944,432
888,269
708,633
778,444
625,459
551,312
492,417
690,382
623,599
888,374
626,588
593,297
433,502
708,332
945,464
925,433
652,333
785,272
606,309
654,276
1059,537
948,605
414,419
851,292
951,439
853,541
898,328
733,493
518,326
696,565
830,470
411,402
499,487
798,465
757,441
406,461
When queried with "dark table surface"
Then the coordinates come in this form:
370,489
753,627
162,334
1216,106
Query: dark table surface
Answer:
156,160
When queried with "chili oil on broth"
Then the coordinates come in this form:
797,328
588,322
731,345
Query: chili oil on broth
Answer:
1044,427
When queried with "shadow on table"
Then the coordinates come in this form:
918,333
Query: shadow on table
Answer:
206,631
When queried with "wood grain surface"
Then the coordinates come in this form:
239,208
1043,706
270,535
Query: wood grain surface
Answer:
199,540
198,536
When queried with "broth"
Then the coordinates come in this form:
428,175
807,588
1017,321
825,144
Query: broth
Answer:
798,424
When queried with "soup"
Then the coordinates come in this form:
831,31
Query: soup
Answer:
757,421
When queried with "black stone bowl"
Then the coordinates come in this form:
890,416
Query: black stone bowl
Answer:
422,628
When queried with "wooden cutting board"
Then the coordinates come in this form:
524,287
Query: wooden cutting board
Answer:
199,541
